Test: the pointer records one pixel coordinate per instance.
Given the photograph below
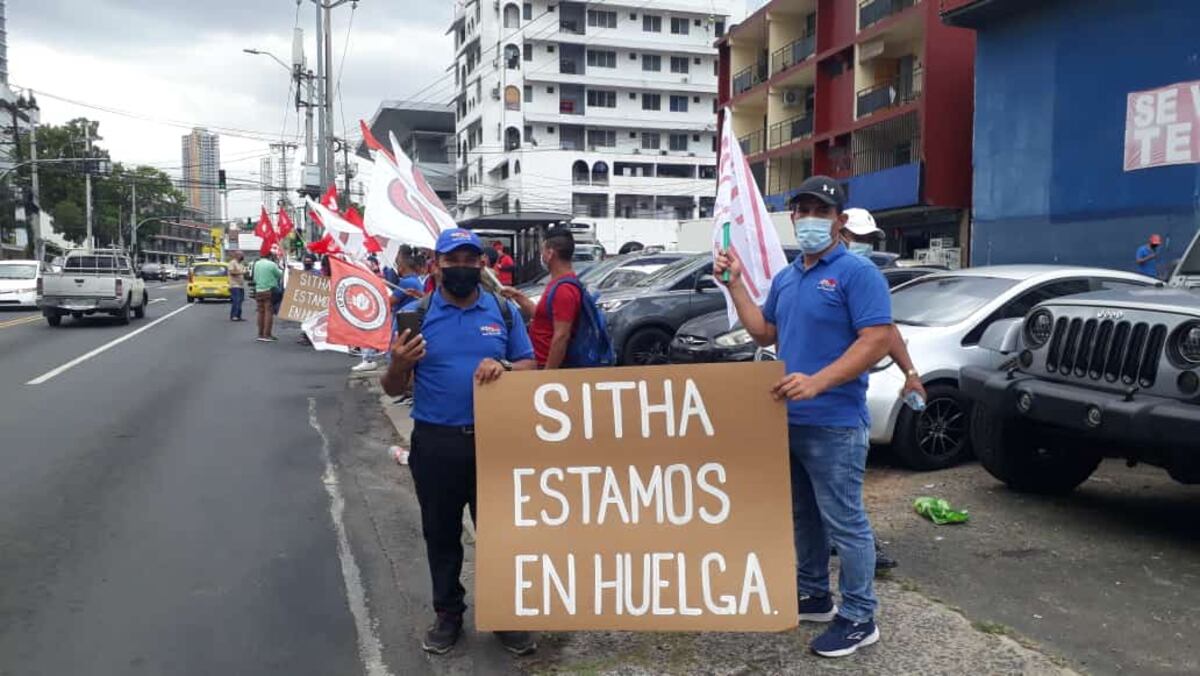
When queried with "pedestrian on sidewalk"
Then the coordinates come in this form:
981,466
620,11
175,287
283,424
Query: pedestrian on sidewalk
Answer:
237,286
552,325
468,336
267,276
829,313
1146,257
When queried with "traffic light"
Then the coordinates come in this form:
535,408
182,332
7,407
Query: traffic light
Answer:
221,179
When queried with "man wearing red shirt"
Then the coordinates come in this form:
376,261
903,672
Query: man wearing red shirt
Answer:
552,327
505,266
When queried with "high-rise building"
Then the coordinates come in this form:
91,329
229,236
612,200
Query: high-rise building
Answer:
604,110
266,175
3,44
201,163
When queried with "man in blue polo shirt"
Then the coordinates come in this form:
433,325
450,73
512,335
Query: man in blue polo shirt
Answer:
468,336
830,315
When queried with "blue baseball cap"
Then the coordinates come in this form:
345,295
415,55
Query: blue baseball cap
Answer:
453,238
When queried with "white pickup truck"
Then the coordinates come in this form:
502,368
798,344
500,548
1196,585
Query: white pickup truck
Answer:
99,281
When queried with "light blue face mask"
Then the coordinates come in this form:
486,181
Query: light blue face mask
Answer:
860,248
814,235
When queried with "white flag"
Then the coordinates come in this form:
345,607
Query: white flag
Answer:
752,237
401,206
351,238
316,328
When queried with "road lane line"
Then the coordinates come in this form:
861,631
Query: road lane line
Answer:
370,650
157,300
103,348
18,322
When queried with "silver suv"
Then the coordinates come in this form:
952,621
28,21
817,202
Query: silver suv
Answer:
1106,374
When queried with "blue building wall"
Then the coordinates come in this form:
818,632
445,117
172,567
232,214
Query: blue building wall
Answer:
1051,88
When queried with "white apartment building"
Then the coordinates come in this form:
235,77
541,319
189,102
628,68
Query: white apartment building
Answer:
605,110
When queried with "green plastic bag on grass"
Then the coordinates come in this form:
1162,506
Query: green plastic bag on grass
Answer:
938,510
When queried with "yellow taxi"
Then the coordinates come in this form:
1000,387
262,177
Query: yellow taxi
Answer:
208,280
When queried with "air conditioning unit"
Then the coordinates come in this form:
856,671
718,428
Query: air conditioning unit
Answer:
662,152
793,98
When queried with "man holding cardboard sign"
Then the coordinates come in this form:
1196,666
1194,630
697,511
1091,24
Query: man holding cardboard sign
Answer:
829,313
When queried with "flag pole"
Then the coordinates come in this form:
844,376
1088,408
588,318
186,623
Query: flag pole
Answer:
725,246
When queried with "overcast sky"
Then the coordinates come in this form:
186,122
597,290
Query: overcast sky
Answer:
181,61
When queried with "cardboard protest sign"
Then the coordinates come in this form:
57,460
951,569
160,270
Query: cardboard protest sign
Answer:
304,295
653,498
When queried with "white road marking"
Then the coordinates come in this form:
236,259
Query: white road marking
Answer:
370,650
157,300
103,348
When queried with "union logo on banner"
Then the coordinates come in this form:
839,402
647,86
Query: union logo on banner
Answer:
359,313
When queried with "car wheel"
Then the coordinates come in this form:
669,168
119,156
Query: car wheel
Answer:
53,319
140,311
938,436
646,347
1028,457
191,299
124,313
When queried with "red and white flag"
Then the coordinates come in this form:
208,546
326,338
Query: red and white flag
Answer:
316,328
327,245
359,309
284,225
265,230
401,206
351,238
330,201
752,237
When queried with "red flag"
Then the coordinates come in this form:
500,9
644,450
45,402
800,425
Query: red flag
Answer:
330,201
374,144
354,218
359,312
265,231
285,225
325,246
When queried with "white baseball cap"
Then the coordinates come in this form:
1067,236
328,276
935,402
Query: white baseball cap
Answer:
861,222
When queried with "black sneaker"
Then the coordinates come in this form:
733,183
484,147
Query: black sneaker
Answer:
883,561
444,633
845,637
817,608
517,642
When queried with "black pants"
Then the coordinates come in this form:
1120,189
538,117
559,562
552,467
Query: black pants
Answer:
442,461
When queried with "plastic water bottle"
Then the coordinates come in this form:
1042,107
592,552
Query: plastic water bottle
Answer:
914,401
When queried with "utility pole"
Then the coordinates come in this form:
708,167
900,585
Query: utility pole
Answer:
133,219
323,76
87,183
325,151
39,246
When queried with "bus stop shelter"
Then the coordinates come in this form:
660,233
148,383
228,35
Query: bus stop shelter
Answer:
521,234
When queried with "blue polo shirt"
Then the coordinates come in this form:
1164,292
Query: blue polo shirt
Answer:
818,313
407,302
456,340
1150,267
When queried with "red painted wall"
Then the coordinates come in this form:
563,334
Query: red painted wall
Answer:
840,92
837,23
947,112
723,84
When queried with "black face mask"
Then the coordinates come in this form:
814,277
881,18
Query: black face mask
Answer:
460,282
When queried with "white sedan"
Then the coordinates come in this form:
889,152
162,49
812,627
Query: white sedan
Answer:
942,317
18,283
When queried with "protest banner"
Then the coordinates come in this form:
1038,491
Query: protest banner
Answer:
1162,126
360,312
316,328
651,498
304,296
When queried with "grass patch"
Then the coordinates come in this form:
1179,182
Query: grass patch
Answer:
994,628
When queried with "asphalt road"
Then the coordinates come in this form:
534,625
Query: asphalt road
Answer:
162,503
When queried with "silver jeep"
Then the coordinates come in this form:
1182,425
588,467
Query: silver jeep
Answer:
1105,374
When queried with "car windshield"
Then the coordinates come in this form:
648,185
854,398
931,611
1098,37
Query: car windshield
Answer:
945,300
18,272
1191,264
629,272
667,272
210,271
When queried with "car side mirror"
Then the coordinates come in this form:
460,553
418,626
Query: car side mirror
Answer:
1002,336
706,283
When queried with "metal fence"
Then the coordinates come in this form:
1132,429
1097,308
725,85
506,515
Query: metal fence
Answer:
792,54
896,91
790,130
886,145
871,12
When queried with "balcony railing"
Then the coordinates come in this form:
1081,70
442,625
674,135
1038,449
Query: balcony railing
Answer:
871,12
570,66
752,143
571,27
894,92
749,76
570,107
790,130
792,54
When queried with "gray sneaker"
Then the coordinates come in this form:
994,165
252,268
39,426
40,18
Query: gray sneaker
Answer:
519,643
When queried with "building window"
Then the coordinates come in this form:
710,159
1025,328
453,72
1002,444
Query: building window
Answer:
601,98
651,62
695,99
698,61
528,139
602,138
651,24
651,140
512,138
679,142
549,49
512,57
696,138
528,93
601,59
601,18
651,102
580,174
512,98
633,96
527,11
679,26
528,50
633,56
679,64
512,16
719,29
600,173
679,104
549,90
707,171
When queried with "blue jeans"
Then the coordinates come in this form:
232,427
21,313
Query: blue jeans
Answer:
828,464
236,295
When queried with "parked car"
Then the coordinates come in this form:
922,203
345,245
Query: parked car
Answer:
18,283
170,272
708,338
1106,374
91,282
208,281
152,271
942,317
643,318
610,273
588,253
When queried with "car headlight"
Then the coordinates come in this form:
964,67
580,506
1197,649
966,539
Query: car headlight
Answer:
735,338
1038,328
612,305
1186,344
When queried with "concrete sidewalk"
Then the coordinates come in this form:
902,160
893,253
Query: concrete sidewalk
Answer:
920,635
